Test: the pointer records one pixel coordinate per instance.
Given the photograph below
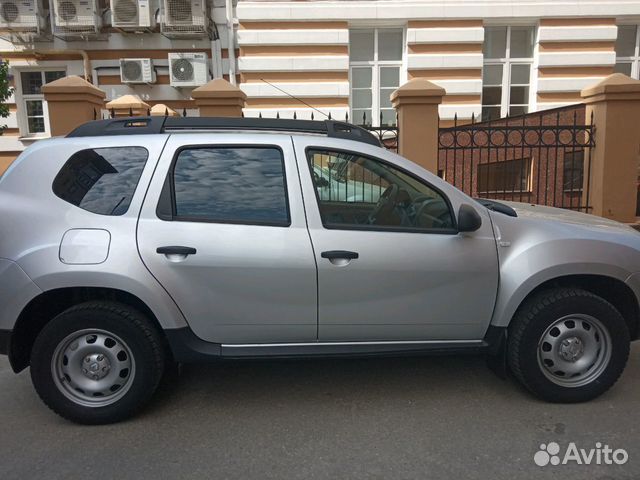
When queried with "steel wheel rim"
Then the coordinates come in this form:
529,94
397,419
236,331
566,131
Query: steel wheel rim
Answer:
93,368
574,350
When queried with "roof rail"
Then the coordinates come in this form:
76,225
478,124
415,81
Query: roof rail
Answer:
153,125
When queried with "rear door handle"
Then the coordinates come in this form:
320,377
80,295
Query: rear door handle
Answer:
176,250
340,254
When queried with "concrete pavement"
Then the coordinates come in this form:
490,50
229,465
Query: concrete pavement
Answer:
402,418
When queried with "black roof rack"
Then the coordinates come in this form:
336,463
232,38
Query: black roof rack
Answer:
151,125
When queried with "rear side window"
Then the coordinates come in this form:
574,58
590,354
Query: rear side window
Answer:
244,185
101,180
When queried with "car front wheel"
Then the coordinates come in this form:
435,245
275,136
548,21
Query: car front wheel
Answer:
567,345
98,362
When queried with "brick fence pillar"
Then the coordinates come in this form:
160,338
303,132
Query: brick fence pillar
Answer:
72,101
615,104
219,98
416,103
161,110
128,106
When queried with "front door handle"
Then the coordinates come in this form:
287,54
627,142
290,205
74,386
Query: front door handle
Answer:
176,250
339,254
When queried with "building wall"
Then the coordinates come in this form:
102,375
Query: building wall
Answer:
449,53
104,52
286,49
5,160
309,60
573,53
574,47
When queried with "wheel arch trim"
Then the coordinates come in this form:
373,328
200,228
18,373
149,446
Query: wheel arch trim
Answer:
43,307
510,297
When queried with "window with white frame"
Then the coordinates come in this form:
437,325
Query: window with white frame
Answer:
506,72
375,59
34,119
628,50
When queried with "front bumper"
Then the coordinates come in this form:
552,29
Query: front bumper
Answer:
5,341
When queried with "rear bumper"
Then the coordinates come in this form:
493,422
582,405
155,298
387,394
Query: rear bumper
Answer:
5,341
16,291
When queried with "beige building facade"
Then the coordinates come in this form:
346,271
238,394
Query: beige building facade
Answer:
315,58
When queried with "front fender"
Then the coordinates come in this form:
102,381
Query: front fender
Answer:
525,269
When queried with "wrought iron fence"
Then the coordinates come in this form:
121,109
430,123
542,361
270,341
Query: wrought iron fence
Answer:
387,134
542,158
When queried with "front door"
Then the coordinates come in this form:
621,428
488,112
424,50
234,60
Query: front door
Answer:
224,232
391,264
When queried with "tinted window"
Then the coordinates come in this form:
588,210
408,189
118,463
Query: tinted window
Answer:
504,176
231,185
101,180
361,192
573,171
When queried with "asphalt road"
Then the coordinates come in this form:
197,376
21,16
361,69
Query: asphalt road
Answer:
413,418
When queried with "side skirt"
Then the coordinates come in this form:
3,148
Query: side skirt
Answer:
188,348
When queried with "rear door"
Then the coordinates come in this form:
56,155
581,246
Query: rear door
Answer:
223,229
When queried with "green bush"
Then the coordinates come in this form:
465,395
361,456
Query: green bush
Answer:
6,90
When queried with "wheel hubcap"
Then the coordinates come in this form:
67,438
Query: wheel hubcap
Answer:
96,366
93,368
574,350
571,349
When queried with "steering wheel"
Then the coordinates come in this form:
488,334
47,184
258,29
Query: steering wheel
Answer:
433,209
386,203
318,181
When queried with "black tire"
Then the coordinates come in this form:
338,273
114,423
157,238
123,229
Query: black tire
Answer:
134,329
533,320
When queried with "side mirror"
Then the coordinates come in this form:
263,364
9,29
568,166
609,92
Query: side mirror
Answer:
468,219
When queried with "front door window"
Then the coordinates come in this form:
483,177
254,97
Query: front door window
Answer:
356,191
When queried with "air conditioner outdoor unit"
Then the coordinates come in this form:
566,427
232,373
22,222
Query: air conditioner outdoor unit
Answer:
184,18
75,17
188,69
137,70
20,16
133,14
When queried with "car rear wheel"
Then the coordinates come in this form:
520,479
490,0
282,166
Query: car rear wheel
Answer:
98,362
567,345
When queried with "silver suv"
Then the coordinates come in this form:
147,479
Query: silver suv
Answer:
132,244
